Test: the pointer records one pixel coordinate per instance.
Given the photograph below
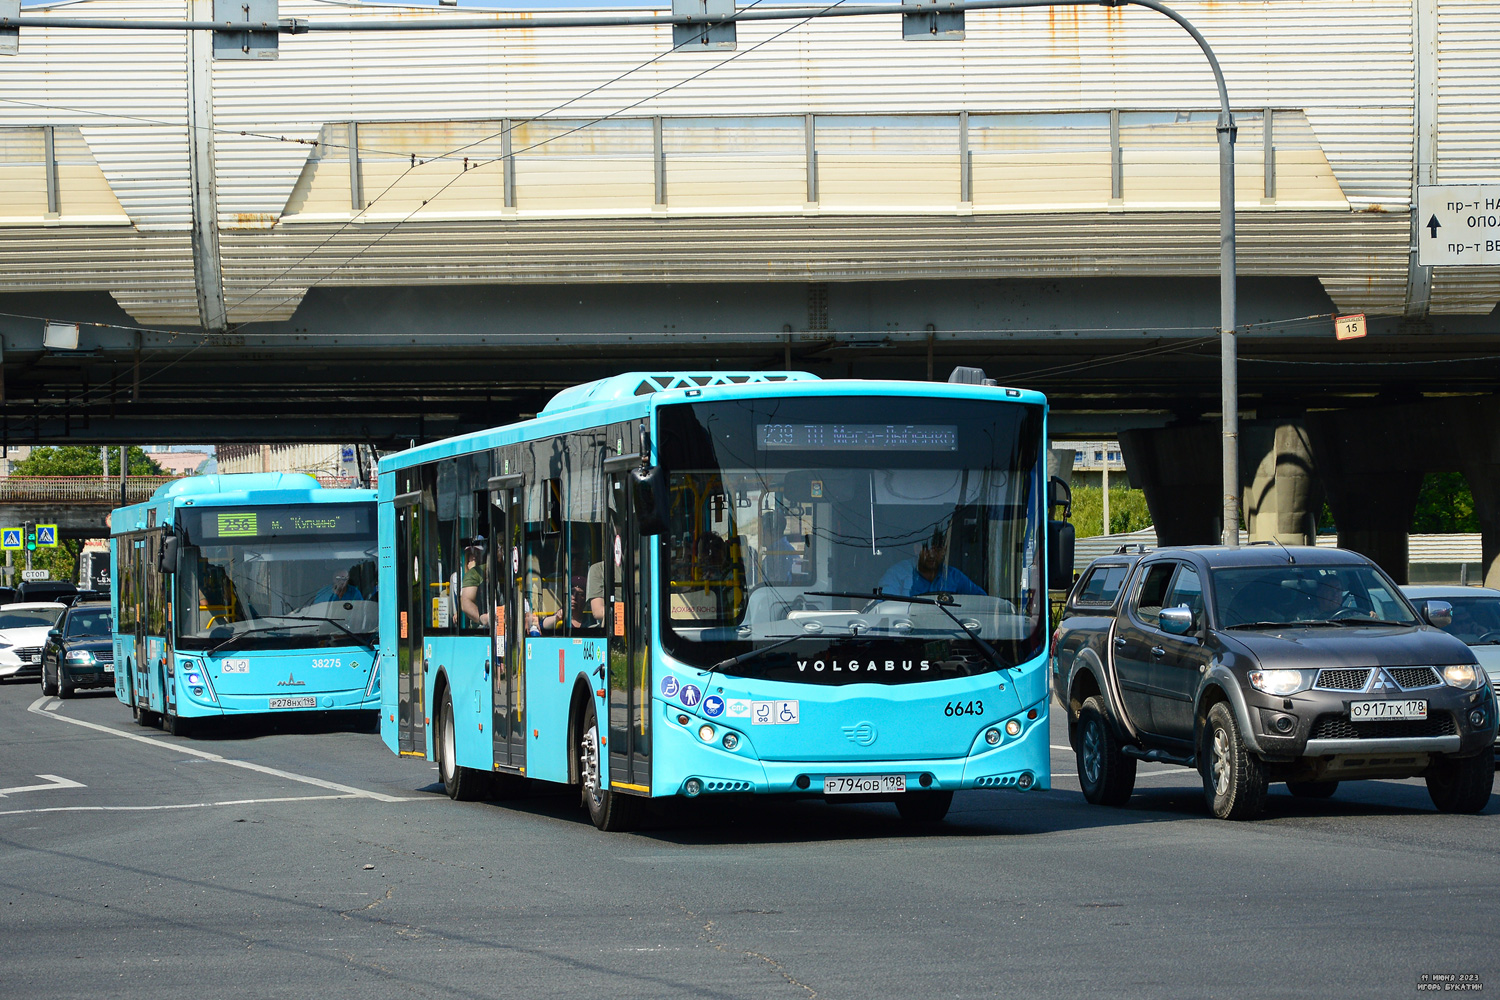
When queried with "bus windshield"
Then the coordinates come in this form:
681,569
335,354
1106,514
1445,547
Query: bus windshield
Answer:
277,577
813,539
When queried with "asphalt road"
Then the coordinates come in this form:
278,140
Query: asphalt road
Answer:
308,861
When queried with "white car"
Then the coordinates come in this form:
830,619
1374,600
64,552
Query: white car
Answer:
23,633
1476,620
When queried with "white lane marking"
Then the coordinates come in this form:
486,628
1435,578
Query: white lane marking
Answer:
183,805
53,705
53,781
218,758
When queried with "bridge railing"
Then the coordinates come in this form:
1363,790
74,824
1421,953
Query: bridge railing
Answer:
92,489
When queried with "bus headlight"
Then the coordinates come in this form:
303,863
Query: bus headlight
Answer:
1013,728
706,733
992,737
731,741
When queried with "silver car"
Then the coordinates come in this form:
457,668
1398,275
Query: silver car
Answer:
1476,620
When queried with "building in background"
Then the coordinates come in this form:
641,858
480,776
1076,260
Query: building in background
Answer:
1094,461
349,463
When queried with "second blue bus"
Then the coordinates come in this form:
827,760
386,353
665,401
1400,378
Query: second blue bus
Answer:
245,594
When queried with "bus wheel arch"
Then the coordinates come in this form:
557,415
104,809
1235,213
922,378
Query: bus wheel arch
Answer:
578,706
462,784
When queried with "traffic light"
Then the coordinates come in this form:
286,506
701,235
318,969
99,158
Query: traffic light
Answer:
30,536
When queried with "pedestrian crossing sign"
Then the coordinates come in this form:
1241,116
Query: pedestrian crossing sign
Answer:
46,536
10,538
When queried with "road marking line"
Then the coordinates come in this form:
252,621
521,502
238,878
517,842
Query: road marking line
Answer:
183,805
53,705
53,781
218,758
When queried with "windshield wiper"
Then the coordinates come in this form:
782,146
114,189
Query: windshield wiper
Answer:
735,661
250,631
337,624
984,647
1369,621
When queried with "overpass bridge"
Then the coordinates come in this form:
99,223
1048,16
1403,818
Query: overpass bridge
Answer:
394,236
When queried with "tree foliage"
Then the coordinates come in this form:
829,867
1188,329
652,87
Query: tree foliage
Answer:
1127,510
72,460
1445,505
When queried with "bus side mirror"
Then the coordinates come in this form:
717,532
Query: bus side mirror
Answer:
166,555
1059,555
1059,494
648,488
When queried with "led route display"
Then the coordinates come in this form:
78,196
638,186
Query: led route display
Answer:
856,437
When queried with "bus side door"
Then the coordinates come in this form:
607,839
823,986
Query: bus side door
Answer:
411,611
507,623
629,617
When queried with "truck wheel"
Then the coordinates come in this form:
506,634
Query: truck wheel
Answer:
1234,781
1106,774
1462,786
1312,789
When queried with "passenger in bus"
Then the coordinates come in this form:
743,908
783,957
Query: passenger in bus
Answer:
782,559
472,581
927,573
339,590
598,606
571,611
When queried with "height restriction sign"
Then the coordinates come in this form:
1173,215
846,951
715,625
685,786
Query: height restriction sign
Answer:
1458,224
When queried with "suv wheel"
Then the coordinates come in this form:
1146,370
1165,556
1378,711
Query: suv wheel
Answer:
1462,786
1234,781
1106,774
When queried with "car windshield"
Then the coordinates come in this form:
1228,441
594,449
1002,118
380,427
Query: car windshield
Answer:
277,577
29,617
1290,594
94,622
816,531
1476,620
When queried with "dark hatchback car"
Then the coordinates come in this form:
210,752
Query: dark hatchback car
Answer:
1265,664
80,651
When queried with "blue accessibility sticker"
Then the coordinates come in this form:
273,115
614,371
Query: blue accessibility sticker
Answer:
669,686
713,706
691,695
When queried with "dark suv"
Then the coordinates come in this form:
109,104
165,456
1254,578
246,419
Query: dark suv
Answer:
80,650
1263,664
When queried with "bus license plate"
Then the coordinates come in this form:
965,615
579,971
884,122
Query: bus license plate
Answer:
1379,711
864,784
308,702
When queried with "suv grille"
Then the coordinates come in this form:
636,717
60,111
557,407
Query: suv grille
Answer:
1343,679
1414,677
1338,727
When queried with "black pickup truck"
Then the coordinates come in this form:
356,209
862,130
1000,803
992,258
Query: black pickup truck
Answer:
1264,664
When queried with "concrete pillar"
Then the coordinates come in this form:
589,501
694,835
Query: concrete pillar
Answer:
1283,499
1371,464
1180,471
1060,463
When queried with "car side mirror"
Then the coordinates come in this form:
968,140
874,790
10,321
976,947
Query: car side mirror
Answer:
1060,536
1177,621
167,555
53,633
1439,613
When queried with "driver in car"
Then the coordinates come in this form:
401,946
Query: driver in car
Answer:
927,573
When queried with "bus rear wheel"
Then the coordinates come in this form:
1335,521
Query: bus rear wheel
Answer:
610,811
463,784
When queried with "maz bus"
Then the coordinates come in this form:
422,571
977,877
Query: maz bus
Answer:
241,594
760,583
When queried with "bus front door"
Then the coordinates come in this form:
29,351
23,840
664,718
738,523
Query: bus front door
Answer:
411,721
629,615
507,625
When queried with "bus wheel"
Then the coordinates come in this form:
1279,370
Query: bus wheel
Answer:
610,812
176,725
461,783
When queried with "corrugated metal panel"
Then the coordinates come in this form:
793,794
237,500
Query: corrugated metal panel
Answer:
1421,549
1468,134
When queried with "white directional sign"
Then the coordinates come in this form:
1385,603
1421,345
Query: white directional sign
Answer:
1458,224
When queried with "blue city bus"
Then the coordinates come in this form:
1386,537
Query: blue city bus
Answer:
241,594
758,583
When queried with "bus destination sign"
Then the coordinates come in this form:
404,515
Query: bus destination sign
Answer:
856,437
231,524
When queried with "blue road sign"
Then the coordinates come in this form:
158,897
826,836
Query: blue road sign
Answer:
46,536
10,538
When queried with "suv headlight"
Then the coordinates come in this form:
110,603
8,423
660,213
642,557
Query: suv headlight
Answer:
1281,682
1463,676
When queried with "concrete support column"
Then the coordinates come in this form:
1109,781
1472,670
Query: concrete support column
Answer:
1283,499
1371,465
1180,471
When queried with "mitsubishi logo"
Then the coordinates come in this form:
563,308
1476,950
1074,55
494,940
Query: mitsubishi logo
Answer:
291,682
862,733
1383,680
